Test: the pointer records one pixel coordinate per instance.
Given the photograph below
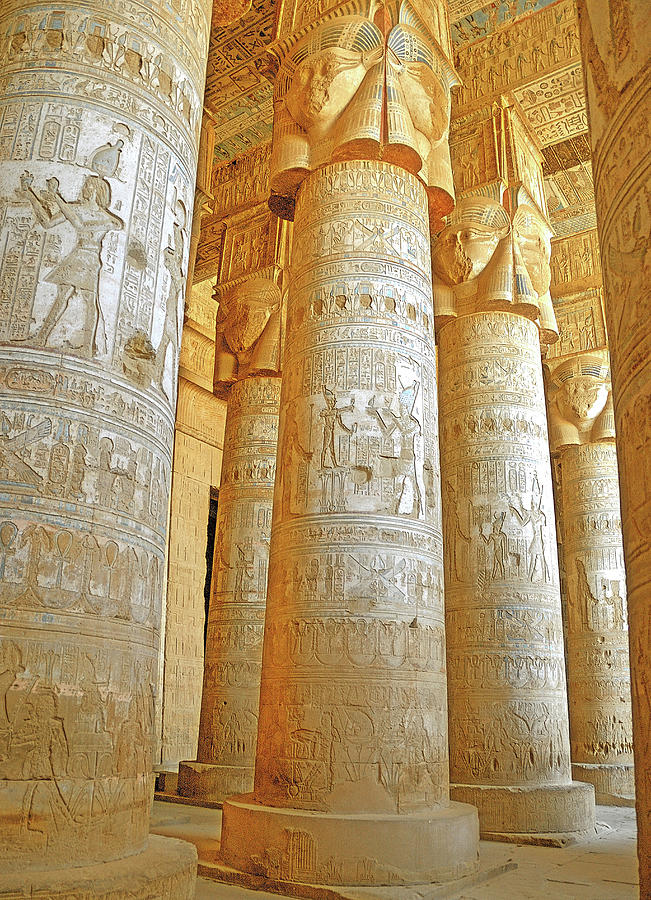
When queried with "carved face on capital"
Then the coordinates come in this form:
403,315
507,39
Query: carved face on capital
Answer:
466,246
582,398
532,236
427,100
323,85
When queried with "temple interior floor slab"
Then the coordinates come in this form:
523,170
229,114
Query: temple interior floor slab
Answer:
603,866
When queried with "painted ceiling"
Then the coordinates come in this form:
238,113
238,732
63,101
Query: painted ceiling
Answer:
239,86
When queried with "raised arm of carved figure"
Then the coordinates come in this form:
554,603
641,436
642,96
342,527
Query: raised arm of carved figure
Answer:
42,206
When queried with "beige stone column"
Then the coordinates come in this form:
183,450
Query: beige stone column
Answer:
582,436
231,685
509,742
615,47
100,114
351,781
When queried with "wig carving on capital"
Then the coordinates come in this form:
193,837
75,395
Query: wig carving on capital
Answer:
373,86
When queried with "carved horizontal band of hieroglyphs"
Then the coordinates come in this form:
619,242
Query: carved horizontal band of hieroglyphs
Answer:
65,568
310,531
372,182
263,394
111,43
371,576
350,233
20,133
82,388
484,670
87,713
395,298
242,673
501,419
252,433
511,741
367,643
515,625
69,462
236,628
525,620
249,470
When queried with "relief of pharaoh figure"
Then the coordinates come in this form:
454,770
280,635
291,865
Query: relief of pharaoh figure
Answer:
78,273
248,332
484,260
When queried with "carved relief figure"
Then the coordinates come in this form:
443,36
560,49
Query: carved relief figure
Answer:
331,416
405,465
78,273
538,520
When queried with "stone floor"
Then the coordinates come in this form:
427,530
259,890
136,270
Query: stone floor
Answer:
602,868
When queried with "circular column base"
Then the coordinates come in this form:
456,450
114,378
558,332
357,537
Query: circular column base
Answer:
614,784
166,869
552,814
205,781
310,847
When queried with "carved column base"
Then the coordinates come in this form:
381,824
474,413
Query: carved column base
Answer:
309,847
204,781
549,815
166,869
614,785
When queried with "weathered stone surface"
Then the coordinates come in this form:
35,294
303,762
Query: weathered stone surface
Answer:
509,741
352,749
615,44
582,433
231,685
97,170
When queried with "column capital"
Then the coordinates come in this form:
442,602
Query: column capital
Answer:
357,86
579,401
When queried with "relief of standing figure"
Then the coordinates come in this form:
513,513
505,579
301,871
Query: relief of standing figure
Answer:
79,271
331,416
409,429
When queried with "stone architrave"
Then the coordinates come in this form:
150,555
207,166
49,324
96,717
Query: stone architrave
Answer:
582,436
615,46
250,323
509,741
351,776
100,110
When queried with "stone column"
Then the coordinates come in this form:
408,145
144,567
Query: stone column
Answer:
351,781
509,742
615,50
100,122
582,436
231,685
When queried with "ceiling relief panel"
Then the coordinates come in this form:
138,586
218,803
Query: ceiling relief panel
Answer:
239,82
473,19
569,189
555,104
